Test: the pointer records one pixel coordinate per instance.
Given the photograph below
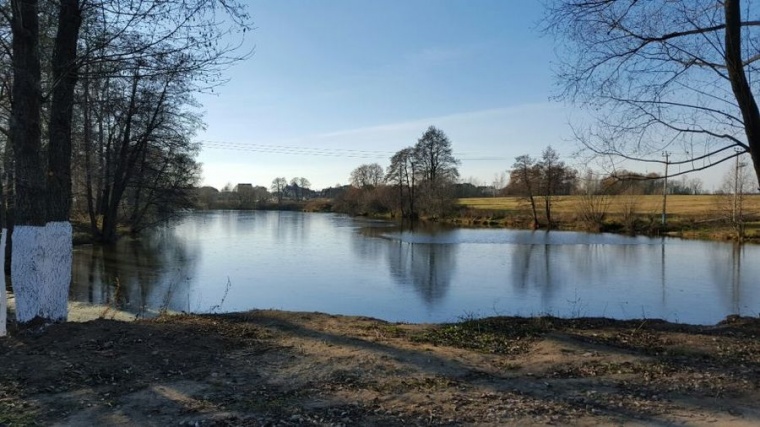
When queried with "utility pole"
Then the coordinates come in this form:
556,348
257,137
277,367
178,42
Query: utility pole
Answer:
736,191
665,188
736,212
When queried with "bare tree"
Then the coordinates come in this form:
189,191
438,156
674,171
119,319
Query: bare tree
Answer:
673,75
435,158
593,202
147,154
546,178
278,188
524,180
556,178
367,175
133,42
304,184
164,185
498,183
731,203
141,64
696,186
437,169
629,206
401,174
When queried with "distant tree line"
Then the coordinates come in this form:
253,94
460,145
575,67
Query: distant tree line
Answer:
421,181
248,196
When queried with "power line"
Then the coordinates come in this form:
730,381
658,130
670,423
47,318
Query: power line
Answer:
319,151
295,150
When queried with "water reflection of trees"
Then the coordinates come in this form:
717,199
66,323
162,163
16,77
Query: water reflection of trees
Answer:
532,268
370,245
291,226
428,268
728,264
547,267
140,276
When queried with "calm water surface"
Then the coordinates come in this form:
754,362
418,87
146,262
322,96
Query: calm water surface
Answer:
232,261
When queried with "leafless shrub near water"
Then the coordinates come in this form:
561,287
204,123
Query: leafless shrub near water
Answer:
629,211
592,210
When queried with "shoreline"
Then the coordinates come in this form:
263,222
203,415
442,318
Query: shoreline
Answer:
82,312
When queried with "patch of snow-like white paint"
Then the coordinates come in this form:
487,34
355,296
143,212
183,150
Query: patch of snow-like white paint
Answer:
3,296
41,270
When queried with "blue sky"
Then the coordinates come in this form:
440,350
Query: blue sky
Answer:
334,84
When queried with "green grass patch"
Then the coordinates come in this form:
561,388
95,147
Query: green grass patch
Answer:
15,412
497,335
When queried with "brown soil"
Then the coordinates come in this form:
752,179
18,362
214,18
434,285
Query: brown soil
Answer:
280,368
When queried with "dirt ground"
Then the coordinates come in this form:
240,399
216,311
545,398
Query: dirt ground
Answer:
283,368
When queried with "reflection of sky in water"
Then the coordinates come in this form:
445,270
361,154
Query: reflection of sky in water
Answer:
336,264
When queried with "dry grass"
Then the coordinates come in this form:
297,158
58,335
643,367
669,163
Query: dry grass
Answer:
702,216
677,205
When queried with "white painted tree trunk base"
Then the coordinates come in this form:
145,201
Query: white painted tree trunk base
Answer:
3,293
41,271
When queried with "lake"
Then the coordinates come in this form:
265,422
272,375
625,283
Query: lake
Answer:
224,261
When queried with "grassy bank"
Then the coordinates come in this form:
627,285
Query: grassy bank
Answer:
701,216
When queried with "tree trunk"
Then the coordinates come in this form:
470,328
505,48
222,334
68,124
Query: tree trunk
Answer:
134,217
401,197
412,211
88,166
42,248
26,266
3,296
739,84
10,203
533,210
527,181
118,181
25,115
65,78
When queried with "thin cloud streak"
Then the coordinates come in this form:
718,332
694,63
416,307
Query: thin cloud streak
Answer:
422,124
486,141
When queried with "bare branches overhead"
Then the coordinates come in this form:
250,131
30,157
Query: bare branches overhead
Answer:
676,75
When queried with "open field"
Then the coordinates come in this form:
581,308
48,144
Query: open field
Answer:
703,216
677,205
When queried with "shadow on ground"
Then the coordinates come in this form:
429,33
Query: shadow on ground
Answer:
280,368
